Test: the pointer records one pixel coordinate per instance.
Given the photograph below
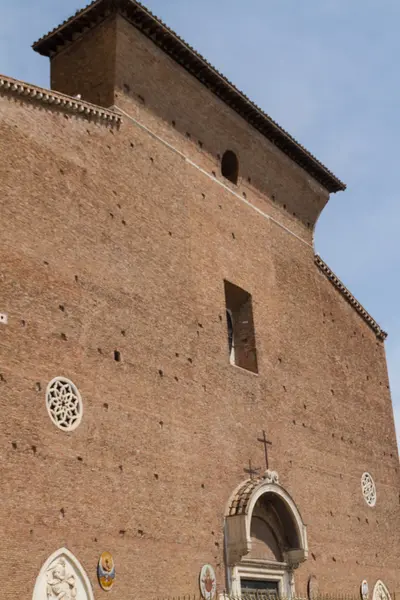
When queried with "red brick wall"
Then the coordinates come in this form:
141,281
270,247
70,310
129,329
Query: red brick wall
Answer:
135,243
88,66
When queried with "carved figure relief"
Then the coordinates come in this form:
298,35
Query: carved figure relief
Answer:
61,583
380,591
271,476
62,577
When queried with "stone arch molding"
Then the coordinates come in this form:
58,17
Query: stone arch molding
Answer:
62,577
239,513
380,591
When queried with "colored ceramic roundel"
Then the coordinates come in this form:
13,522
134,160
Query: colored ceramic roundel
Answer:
106,571
208,582
364,590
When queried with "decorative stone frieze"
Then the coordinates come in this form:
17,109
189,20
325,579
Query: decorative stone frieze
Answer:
58,101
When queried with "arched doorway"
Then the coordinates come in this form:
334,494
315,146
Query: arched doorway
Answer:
265,538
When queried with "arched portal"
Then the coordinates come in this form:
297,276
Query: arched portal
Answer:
62,577
265,538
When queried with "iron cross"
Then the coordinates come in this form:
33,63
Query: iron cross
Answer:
266,443
252,470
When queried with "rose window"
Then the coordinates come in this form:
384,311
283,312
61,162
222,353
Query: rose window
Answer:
368,489
64,403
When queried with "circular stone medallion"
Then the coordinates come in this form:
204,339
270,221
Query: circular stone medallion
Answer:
207,582
106,571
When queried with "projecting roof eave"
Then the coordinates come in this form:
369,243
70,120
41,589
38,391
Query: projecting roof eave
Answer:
339,285
194,63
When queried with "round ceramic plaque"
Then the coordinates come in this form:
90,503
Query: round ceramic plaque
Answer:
364,590
208,582
106,571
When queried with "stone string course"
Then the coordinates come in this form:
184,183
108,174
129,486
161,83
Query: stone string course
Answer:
59,101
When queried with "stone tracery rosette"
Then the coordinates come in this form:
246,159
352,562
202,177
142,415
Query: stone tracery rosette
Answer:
368,489
64,403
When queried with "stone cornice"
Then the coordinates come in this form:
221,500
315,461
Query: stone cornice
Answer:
57,101
321,264
182,53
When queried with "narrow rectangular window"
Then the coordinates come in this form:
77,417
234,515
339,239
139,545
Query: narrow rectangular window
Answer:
240,328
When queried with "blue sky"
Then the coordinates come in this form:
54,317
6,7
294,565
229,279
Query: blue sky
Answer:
327,71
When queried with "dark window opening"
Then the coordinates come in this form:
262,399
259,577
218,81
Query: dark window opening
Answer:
230,166
231,345
240,328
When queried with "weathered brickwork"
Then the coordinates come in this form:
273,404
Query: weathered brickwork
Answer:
111,240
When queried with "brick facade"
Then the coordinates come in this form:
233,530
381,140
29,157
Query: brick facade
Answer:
119,238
